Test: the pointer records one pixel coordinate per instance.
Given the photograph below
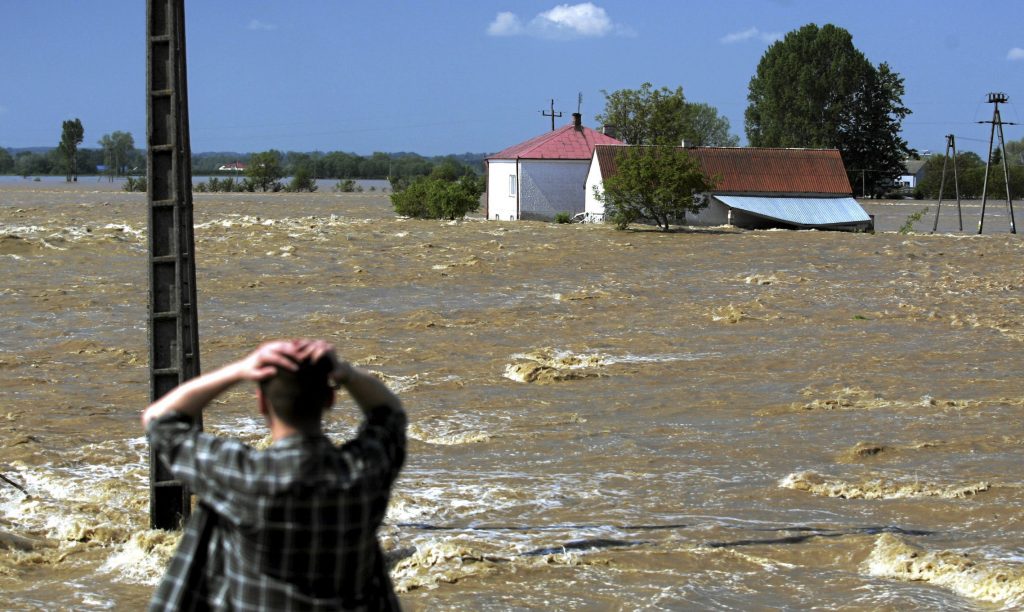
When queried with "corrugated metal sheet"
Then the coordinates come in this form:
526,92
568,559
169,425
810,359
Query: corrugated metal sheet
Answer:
761,170
768,170
801,212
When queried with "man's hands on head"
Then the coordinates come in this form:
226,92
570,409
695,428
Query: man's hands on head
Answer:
264,361
315,350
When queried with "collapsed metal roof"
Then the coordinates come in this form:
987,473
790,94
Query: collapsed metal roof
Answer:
800,212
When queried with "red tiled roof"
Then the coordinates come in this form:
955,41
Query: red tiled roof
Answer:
762,169
564,143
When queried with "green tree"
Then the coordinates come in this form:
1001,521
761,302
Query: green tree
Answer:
437,198
117,150
663,117
970,172
706,128
6,161
72,134
265,170
1015,152
815,89
657,183
302,180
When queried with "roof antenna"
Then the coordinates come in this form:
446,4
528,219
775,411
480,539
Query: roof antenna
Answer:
579,102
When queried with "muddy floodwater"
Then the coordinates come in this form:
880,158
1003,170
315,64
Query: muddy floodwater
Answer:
599,419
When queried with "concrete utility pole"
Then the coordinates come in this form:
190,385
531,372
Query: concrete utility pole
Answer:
552,114
997,122
173,322
950,143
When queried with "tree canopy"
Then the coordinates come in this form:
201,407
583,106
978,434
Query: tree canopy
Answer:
438,197
653,182
117,148
265,170
970,169
815,89
648,116
72,134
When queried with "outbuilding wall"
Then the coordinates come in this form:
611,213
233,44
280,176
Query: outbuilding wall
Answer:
715,213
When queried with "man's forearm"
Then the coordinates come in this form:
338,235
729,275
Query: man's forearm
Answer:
192,396
366,390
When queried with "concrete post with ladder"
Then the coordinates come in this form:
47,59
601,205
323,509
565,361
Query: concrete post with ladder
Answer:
173,324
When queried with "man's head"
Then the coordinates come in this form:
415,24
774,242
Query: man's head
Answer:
299,398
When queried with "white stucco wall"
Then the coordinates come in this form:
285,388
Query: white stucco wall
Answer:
592,205
501,201
548,187
715,213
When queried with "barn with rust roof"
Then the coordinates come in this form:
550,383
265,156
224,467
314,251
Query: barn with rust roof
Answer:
759,188
543,176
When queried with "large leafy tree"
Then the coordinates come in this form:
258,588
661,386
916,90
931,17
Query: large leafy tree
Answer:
117,149
649,116
72,134
653,182
815,89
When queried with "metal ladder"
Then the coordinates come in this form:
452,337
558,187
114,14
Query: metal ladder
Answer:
173,321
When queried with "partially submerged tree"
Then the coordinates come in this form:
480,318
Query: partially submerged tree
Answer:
117,149
438,198
72,134
265,170
648,116
657,183
815,89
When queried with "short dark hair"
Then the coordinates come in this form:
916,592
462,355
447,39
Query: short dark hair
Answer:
299,397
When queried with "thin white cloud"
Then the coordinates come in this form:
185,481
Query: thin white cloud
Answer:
565,21
260,26
750,34
505,24
1015,54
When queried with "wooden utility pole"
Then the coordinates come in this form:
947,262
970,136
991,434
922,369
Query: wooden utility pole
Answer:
552,114
997,122
950,143
173,321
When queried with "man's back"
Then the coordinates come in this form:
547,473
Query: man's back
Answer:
290,527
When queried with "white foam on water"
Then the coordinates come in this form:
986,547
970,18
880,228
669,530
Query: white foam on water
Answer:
878,487
996,581
143,558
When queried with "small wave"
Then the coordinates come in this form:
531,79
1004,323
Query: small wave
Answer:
143,557
988,580
878,488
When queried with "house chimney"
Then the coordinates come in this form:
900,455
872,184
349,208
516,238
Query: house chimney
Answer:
577,121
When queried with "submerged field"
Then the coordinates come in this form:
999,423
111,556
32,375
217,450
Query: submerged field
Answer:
599,419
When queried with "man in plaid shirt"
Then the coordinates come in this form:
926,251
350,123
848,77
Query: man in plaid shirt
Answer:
293,527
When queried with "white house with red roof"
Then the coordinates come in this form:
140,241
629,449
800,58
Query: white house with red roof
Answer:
543,176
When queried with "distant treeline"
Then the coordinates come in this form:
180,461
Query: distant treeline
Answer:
334,164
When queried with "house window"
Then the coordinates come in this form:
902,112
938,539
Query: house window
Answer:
511,185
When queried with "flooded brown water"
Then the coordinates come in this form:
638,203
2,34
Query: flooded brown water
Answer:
599,419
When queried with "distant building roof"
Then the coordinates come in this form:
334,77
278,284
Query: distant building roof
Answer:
572,141
762,169
914,165
233,166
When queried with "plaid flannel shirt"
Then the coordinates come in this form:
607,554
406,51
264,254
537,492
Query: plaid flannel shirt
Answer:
293,527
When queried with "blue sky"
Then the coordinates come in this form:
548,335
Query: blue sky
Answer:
462,75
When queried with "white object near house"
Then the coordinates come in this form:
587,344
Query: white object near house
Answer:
759,187
543,176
